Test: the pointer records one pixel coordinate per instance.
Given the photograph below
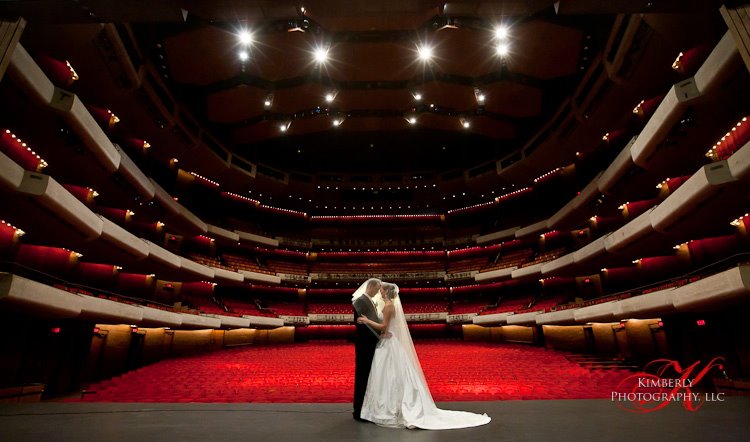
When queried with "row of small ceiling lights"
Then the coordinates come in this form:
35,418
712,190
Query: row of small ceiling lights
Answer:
424,52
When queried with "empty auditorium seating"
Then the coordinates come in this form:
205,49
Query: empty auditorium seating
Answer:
287,308
323,372
468,306
277,266
414,307
244,263
545,256
511,259
330,308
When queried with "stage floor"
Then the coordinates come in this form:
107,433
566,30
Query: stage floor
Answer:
532,420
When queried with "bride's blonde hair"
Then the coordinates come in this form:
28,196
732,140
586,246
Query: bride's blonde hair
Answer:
390,290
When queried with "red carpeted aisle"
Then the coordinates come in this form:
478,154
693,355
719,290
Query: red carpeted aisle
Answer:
324,372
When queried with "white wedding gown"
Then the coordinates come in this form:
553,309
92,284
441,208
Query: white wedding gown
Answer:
397,394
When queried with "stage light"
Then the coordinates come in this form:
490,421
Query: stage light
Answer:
502,49
425,53
243,55
501,32
321,54
245,37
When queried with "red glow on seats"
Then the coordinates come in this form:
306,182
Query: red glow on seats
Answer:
622,325
134,329
587,280
324,372
97,329
55,330
700,322
660,323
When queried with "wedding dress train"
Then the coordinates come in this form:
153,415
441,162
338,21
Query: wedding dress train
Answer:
397,394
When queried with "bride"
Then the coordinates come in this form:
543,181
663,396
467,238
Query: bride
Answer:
397,394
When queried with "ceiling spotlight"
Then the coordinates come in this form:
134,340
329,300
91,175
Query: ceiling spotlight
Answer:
425,53
501,32
417,96
336,122
267,103
329,98
245,37
502,49
283,127
412,120
243,55
321,54
465,123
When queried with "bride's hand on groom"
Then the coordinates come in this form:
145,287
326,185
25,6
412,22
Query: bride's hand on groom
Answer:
362,319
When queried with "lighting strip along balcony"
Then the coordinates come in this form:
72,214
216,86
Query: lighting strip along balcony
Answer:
29,77
51,302
49,194
721,63
725,288
55,198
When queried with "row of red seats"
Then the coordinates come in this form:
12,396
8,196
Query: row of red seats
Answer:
324,372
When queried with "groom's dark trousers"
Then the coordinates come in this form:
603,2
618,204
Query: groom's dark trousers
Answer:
364,349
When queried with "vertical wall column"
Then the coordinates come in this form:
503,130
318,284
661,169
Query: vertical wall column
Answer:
10,34
738,22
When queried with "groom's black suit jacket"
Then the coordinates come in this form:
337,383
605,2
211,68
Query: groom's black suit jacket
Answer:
364,348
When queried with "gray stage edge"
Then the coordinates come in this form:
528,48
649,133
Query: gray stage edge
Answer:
548,420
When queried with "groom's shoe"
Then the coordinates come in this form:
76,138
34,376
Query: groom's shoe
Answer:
356,417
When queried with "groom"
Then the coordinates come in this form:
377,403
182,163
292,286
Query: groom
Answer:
365,342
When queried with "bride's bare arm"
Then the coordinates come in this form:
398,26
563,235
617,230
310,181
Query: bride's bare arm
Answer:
387,315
